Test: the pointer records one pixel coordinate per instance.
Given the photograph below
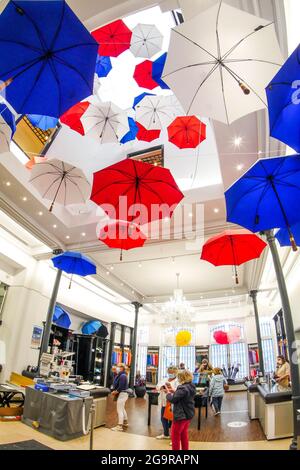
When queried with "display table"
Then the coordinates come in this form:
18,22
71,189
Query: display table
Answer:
57,415
253,400
275,411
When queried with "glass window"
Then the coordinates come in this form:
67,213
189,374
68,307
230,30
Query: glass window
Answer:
142,359
266,328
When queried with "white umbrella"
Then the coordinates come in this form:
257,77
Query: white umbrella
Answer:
5,136
105,121
157,112
220,62
60,183
146,41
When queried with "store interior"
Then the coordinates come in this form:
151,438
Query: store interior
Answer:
168,300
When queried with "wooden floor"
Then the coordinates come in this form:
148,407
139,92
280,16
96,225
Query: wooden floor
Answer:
213,429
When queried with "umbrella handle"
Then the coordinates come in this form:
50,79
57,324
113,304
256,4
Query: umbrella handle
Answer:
293,243
236,275
6,83
245,89
71,279
121,255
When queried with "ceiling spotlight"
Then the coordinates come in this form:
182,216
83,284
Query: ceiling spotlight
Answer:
83,234
190,214
167,219
132,291
107,272
140,265
122,284
216,210
239,167
67,237
111,268
8,183
40,213
238,141
54,226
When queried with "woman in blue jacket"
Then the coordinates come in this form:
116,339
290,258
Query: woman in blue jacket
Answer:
120,389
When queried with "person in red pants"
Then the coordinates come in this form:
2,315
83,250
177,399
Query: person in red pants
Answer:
183,409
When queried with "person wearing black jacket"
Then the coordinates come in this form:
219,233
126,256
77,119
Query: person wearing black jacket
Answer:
120,392
183,409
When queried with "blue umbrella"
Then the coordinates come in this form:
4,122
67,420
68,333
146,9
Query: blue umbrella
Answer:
140,97
42,122
8,117
283,235
157,71
91,327
47,57
103,66
284,102
72,262
61,318
133,130
267,196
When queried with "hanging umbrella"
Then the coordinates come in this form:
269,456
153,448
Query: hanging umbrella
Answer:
47,57
113,38
233,248
145,135
105,121
157,71
221,337
42,122
283,235
267,196
284,100
71,118
61,318
157,112
143,75
139,98
60,183
133,130
33,161
149,189
220,62
7,127
122,235
91,327
146,40
187,132
103,66
102,332
72,262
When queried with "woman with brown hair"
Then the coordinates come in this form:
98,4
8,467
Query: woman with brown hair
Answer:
283,371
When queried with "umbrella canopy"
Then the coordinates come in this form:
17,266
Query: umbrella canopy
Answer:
220,62
72,262
187,132
267,196
105,121
143,75
60,183
133,130
61,318
123,235
113,38
72,117
151,192
139,98
145,135
284,100
102,331
7,127
47,57
146,41
233,248
157,71
42,122
283,235
221,337
157,112
103,66
91,327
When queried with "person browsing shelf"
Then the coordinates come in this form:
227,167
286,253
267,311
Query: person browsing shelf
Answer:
162,400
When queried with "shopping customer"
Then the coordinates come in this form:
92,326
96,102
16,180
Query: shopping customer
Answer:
216,390
162,400
183,409
283,371
120,394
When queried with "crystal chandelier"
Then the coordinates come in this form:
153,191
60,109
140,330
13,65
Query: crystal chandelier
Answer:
177,310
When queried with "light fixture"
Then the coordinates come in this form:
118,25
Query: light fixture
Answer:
239,167
238,141
40,213
24,198
122,284
83,234
190,214
108,273
166,219
67,237
216,210
177,310
112,268
140,265
132,291
8,183
54,226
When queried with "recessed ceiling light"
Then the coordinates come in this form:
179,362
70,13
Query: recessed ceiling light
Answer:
54,226
132,291
67,237
24,198
8,183
167,219
108,273
111,268
239,167
83,234
190,214
140,265
216,210
238,141
122,284
40,213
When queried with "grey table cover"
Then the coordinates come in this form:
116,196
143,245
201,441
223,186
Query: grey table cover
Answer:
57,415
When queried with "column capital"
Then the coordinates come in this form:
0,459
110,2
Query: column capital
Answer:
253,294
137,305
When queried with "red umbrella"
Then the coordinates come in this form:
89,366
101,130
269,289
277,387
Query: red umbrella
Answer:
123,235
131,190
221,337
187,132
143,75
146,135
113,38
72,117
232,247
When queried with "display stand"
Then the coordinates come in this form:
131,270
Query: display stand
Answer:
120,350
152,366
282,344
253,356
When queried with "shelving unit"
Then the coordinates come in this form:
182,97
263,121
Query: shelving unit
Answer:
152,365
253,356
120,349
202,352
90,353
281,335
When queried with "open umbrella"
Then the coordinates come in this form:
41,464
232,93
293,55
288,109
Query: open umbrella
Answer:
61,318
143,75
131,134
267,196
71,118
146,40
60,183
146,135
157,71
157,112
103,66
150,192
221,337
47,57
283,235
73,262
42,122
7,127
113,38
284,102
105,121
91,327
187,132
122,235
139,98
232,248
220,62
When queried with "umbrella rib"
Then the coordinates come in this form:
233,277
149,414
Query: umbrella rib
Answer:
161,181
20,43
223,94
74,46
29,64
239,79
66,64
233,61
52,184
151,190
108,185
43,174
68,178
58,29
38,32
56,78
201,84
212,62
255,188
38,76
195,44
217,31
